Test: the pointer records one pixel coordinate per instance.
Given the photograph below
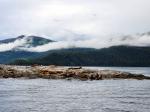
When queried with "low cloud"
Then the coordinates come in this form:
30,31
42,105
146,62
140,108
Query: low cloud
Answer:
12,45
97,43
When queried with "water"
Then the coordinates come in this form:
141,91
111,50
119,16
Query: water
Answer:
137,70
42,95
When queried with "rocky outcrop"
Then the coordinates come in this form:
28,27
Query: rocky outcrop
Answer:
54,72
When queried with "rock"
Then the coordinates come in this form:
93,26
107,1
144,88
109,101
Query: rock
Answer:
75,68
53,72
52,66
34,65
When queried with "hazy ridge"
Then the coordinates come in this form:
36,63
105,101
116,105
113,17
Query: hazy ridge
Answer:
27,50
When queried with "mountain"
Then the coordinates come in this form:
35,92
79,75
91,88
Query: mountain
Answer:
36,41
24,41
30,41
11,39
113,56
9,56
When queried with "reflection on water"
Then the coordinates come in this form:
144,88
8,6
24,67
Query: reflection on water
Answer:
42,95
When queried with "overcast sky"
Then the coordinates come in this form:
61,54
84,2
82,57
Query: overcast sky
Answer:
73,19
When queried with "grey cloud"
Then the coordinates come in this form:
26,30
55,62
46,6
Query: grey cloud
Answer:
57,18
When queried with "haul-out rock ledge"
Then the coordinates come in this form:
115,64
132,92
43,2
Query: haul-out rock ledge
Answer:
58,72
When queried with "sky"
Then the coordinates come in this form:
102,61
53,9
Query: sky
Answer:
75,23
73,19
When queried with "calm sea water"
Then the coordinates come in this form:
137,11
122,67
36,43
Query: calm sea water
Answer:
42,95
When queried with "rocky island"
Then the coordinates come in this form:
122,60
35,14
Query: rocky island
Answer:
59,72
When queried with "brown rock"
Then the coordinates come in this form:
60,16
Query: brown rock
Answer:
53,72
